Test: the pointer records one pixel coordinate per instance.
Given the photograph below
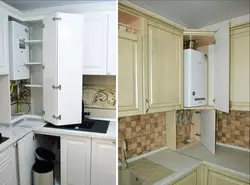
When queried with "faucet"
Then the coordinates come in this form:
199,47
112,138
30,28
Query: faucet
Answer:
123,162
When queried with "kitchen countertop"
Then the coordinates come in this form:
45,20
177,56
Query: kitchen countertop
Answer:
185,160
18,130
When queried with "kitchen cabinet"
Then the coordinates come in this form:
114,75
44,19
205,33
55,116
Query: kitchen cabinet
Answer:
219,179
164,68
103,162
26,159
130,74
8,170
4,46
75,160
188,180
62,74
239,68
99,43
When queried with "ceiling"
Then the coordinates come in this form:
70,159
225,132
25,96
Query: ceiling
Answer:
189,13
196,13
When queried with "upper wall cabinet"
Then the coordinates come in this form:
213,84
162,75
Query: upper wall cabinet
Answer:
163,70
99,43
62,75
4,46
239,67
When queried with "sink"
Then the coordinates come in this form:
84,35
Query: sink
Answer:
143,172
126,177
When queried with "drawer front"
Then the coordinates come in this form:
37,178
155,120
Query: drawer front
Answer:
6,155
6,172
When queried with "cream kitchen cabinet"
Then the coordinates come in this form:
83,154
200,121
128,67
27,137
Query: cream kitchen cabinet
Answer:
163,69
239,68
8,164
62,74
190,179
4,46
99,43
103,162
130,74
75,160
219,179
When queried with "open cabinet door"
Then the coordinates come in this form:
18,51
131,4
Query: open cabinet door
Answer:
221,70
207,129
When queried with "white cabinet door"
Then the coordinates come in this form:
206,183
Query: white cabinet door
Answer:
112,43
103,162
130,74
221,68
164,49
95,43
4,46
26,158
62,75
8,166
75,160
207,129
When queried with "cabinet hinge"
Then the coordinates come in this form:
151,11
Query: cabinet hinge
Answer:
230,104
214,100
43,112
43,26
57,117
43,66
214,42
56,19
57,87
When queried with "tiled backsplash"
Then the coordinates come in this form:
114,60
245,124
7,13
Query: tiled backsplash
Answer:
99,92
143,133
233,128
183,133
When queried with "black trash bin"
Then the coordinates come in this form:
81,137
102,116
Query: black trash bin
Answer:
43,169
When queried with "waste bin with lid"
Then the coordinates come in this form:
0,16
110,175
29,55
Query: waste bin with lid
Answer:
43,169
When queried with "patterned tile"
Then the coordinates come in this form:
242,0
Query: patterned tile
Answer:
233,128
143,133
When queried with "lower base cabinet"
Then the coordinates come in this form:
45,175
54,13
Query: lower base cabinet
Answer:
75,160
103,162
218,179
190,179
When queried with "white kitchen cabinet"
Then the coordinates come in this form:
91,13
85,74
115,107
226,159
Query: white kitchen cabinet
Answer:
8,164
62,74
4,46
163,71
99,43
130,74
239,68
190,179
75,160
219,179
103,162
26,148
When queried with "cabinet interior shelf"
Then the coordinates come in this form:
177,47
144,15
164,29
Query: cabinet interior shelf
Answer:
33,85
33,41
33,63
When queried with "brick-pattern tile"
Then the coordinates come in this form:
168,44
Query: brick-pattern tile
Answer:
143,133
233,128
183,133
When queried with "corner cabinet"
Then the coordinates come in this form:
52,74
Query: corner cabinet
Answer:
164,67
103,162
62,74
75,160
188,180
4,46
130,74
99,43
240,67
218,179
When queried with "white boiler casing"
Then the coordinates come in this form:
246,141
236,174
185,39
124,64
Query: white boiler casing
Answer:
195,78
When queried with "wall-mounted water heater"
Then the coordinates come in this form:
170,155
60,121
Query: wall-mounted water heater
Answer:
195,78
19,51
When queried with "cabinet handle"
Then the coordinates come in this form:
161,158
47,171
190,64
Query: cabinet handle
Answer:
148,105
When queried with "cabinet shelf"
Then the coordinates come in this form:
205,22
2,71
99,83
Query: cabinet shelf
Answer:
33,41
33,85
